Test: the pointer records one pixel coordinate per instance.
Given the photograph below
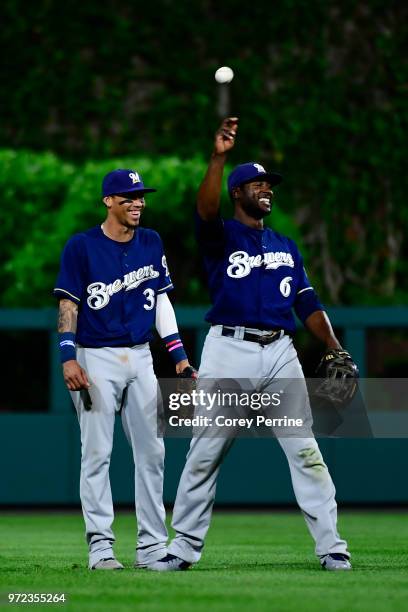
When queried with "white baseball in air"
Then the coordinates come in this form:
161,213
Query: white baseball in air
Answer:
224,75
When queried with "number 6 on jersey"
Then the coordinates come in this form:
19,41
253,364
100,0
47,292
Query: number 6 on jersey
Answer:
285,287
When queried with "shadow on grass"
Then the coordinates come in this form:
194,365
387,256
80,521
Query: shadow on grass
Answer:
255,566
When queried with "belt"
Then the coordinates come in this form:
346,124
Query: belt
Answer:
263,338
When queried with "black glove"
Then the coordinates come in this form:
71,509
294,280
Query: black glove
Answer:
188,372
187,380
340,373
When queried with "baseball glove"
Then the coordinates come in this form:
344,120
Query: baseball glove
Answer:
340,374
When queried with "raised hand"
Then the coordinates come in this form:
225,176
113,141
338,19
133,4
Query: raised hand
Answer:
225,135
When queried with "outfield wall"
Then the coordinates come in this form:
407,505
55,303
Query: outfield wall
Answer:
40,462
40,452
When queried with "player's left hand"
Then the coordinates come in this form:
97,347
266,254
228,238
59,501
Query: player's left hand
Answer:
187,377
185,370
339,372
188,372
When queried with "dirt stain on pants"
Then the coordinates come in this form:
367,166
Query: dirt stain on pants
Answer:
312,458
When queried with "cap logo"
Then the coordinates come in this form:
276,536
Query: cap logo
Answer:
260,168
135,177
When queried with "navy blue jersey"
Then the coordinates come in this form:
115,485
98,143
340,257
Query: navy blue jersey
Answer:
255,276
115,285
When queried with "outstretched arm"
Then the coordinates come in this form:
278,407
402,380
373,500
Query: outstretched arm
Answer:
74,376
336,368
318,323
209,193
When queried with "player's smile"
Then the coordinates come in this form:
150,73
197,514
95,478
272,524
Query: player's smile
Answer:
135,212
124,212
132,217
130,210
257,199
265,200
263,193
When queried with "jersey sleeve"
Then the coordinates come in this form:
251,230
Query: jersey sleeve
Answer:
307,300
165,282
210,234
70,281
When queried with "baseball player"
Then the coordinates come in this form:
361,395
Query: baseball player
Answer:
112,287
256,276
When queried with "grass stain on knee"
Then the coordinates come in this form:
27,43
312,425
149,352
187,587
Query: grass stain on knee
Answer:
312,458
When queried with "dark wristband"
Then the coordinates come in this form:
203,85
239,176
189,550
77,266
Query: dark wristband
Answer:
67,346
175,347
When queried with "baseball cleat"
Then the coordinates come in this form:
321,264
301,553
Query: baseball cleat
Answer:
335,562
169,563
108,564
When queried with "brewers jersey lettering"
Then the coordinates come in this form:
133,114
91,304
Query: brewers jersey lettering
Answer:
115,285
255,276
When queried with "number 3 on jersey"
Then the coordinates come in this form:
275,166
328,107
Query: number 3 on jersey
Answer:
150,299
285,287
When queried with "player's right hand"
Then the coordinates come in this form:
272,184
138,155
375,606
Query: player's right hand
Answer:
225,135
74,376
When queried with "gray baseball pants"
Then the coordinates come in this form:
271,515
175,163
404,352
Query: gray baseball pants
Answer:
234,358
121,379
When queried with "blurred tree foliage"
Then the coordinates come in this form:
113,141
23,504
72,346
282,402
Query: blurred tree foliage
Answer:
320,90
46,201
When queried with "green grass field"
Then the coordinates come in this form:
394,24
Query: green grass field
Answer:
252,561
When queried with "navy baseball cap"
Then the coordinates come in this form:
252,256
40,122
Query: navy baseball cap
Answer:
123,181
246,173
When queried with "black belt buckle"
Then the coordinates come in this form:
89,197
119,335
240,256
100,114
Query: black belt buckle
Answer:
268,338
